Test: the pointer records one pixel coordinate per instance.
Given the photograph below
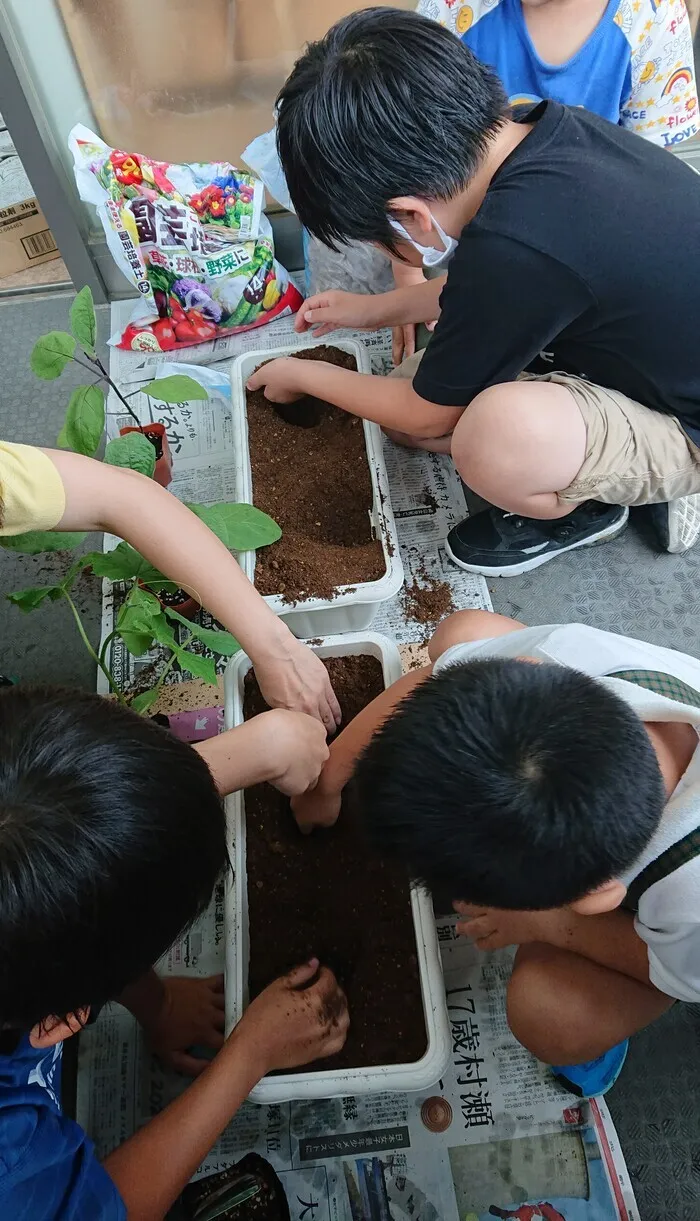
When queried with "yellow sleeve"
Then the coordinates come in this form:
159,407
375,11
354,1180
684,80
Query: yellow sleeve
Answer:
32,496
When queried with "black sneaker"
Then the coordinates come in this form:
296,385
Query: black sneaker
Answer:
677,524
500,544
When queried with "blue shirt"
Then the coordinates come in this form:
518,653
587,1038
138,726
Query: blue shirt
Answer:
636,68
48,1167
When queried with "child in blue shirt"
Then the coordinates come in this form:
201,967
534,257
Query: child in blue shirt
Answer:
112,837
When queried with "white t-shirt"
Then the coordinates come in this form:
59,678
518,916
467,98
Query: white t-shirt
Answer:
668,919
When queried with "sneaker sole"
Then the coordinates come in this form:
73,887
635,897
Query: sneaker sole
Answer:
517,570
683,525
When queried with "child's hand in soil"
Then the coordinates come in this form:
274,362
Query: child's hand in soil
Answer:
301,1017
299,681
191,1015
326,312
279,379
315,808
296,747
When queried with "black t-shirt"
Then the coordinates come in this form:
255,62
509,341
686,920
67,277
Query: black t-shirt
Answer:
586,245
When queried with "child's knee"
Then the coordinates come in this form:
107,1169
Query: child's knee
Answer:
534,1008
460,628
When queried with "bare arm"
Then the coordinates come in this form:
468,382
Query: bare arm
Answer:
102,497
321,806
296,1020
390,401
609,938
412,303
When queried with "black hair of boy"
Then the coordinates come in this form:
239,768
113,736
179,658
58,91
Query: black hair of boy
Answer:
387,104
512,784
112,836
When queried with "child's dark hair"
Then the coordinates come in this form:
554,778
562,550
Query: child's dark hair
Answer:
112,836
512,784
387,104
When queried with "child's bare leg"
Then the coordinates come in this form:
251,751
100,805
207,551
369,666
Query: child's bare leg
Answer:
434,445
566,1009
467,625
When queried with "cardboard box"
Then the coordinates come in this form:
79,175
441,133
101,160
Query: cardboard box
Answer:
25,237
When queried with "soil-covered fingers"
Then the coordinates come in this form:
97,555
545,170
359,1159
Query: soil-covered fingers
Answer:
329,1013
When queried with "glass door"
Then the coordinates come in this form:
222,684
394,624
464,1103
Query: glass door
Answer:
173,79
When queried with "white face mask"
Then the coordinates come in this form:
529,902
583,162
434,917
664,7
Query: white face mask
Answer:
431,256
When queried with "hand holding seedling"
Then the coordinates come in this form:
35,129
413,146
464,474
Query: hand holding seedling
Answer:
299,1018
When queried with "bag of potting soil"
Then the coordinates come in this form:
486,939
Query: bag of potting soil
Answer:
192,239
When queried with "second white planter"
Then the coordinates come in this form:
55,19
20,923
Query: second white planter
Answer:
401,1078
354,607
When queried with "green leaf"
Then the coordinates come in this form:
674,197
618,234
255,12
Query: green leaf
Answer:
192,663
85,421
222,643
51,354
240,527
164,633
125,564
36,541
133,451
83,322
195,664
142,702
176,389
28,599
135,621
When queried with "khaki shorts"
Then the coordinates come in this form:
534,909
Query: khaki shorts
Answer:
634,456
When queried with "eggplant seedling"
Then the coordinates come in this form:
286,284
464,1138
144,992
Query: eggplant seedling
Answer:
146,619
141,447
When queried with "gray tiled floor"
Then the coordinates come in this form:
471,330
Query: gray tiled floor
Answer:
626,586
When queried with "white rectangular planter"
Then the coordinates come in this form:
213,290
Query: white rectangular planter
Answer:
354,606
341,1082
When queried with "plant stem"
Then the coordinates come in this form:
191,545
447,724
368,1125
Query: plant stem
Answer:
98,660
104,375
166,670
116,390
105,646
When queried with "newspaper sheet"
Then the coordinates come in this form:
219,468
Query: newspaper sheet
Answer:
426,491
496,1137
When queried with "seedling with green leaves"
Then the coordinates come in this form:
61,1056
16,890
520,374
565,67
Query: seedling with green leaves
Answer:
85,416
143,620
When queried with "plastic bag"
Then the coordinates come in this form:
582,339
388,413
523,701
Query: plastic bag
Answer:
192,239
262,157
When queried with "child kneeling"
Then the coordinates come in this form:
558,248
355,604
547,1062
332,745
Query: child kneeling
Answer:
112,837
548,780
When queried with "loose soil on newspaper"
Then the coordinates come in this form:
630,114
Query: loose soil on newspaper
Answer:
316,483
328,895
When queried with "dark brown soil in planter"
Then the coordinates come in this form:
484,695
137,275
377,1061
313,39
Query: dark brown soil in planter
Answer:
316,483
328,895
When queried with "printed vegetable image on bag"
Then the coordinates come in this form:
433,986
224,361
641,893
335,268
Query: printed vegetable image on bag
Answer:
192,239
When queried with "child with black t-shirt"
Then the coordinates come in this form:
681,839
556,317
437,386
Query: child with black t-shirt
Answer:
556,226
